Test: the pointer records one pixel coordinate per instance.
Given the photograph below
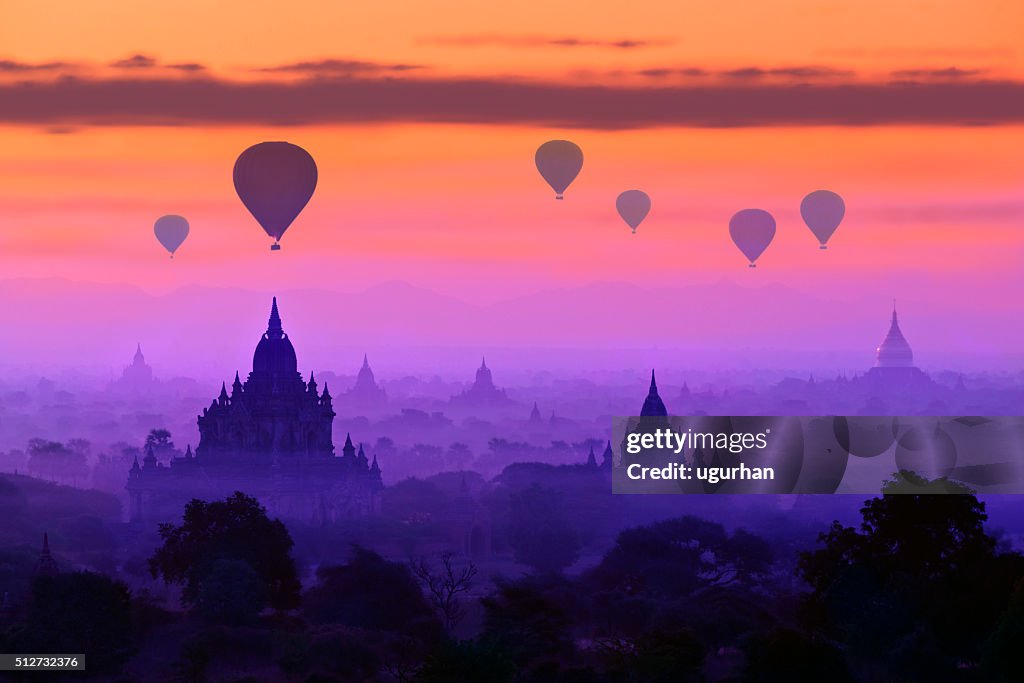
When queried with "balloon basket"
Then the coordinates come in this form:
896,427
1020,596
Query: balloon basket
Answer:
275,247
752,266
558,196
634,231
823,247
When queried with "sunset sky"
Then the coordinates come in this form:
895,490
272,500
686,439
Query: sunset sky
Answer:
424,116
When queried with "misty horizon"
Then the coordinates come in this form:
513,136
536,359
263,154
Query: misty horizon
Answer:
93,328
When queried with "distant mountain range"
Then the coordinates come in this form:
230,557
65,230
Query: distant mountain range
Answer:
58,323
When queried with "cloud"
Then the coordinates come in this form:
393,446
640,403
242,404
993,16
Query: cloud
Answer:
544,41
750,73
335,67
187,66
145,62
210,101
135,62
666,72
787,71
951,72
11,66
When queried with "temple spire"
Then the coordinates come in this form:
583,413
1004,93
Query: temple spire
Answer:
46,566
366,362
608,457
653,405
274,329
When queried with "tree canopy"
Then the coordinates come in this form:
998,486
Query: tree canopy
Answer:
237,528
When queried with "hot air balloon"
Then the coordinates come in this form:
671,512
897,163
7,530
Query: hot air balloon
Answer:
633,206
275,181
171,231
822,211
559,162
752,230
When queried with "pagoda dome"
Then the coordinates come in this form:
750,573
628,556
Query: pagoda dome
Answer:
894,351
274,354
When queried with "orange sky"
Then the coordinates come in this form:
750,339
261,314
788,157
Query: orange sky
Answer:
239,34
441,204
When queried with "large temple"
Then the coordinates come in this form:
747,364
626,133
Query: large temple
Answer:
894,362
271,437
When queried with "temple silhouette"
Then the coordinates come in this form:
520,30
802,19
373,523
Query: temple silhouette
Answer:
483,392
894,362
366,391
271,437
136,377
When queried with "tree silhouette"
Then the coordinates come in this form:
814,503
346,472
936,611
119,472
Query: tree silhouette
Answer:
916,589
369,592
459,456
677,557
444,586
55,461
80,612
160,441
785,655
468,660
233,529
531,619
232,593
540,534
1004,657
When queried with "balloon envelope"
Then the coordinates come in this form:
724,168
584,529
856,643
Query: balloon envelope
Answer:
275,180
822,211
633,206
752,230
559,162
171,231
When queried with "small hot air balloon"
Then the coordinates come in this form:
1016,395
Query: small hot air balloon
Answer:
559,162
275,181
633,206
171,231
752,230
822,211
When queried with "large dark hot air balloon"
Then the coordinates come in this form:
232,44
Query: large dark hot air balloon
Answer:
752,230
171,231
822,211
559,162
633,206
275,181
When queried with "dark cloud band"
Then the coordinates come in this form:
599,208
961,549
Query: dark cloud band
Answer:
210,101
